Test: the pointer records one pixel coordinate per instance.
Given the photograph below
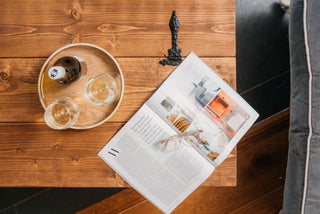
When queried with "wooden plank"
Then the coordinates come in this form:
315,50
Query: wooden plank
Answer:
143,207
266,204
265,129
120,201
19,78
122,27
261,173
35,155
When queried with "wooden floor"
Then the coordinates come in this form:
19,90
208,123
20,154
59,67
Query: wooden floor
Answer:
262,157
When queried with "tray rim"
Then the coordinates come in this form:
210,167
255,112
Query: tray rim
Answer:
99,48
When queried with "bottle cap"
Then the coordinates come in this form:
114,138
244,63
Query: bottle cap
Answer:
57,72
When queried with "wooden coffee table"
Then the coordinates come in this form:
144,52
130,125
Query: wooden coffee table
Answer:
137,34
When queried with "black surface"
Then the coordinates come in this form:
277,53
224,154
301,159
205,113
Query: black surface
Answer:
262,42
270,97
9,196
64,200
263,55
10,211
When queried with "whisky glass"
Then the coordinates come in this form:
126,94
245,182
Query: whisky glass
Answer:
62,113
100,89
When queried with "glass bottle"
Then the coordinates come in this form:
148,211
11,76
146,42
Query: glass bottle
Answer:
67,69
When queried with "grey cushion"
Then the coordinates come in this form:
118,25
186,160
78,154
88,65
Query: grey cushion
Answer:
302,187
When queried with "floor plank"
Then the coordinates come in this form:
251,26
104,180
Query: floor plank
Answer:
266,204
121,201
64,200
264,129
10,197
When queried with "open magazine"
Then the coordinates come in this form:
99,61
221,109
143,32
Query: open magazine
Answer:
178,137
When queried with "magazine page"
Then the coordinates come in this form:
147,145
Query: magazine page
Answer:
195,98
165,178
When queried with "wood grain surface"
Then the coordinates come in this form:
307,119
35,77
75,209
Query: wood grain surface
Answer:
123,27
138,35
142,76
32,154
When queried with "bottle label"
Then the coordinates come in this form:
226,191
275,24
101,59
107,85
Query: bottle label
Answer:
67,69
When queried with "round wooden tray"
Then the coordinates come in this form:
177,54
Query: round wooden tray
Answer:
98,61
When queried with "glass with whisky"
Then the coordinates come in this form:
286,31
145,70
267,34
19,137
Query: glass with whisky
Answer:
100,89
62,113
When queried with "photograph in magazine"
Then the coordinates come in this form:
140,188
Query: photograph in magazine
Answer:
192,100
